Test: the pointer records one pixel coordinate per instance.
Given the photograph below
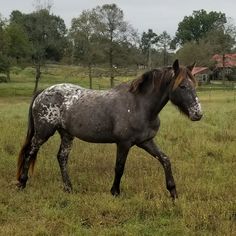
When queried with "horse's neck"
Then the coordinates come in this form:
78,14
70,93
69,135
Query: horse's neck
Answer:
157,100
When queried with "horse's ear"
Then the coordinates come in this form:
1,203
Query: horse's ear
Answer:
176,66
191,66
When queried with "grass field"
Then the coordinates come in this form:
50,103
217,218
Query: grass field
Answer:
203,156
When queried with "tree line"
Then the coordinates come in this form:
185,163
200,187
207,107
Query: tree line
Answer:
101,36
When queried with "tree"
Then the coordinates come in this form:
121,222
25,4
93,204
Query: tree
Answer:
222,41
17,17
164,43
196,26
85,41
4,49
204,34
193,52
19,45
127,54
113,29
148,39
46,34
14,44
215,42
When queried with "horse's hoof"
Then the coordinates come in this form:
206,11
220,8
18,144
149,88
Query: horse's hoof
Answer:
68,189
20,186
115,192
173,194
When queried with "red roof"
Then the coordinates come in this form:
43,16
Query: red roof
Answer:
229,60
198,70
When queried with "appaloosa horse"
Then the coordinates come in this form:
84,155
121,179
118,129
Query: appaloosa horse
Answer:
126,115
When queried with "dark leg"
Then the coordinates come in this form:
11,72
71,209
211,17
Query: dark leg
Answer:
121,156
152,149
62,157
30,154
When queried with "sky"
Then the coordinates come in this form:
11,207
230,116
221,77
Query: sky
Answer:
158,15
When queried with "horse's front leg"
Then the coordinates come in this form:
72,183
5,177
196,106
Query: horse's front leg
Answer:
121,156
152,149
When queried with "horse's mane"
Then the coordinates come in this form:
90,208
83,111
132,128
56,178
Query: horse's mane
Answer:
152,77
156,76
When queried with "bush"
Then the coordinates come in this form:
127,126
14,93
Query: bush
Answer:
3,78
4,64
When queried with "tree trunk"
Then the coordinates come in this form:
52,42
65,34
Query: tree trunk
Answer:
112,81
8,76
111,67
73,52
111,60
165,56
90,76
223,68
37,77
149,58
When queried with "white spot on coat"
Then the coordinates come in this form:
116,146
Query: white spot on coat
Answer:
50,114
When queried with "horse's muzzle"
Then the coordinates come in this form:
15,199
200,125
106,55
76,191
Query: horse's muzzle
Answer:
196,117
195,112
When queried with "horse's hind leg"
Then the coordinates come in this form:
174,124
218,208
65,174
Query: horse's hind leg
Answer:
62,157
28,154
29,157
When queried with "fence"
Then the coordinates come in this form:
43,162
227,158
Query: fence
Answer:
226,92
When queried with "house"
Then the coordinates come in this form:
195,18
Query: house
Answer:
202,74
225,60
225,65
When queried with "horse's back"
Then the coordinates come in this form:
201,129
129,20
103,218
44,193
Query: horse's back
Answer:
84,113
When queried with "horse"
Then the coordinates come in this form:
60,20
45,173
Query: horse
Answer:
126,115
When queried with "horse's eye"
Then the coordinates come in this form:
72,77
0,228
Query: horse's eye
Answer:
182,86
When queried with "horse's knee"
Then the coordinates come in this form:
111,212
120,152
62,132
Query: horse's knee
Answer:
170,184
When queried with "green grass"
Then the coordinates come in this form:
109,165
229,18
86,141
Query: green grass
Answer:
203,158
23,80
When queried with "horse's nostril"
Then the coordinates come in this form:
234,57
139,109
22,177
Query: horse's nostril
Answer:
200,115
197,116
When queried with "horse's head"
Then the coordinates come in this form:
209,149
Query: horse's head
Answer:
183,93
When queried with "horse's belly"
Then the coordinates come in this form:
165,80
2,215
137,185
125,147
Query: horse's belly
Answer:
96,138
93,135
91,129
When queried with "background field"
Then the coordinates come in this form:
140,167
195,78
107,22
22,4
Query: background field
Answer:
203,159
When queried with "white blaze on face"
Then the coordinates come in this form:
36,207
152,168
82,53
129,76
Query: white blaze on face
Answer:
195,108
199,104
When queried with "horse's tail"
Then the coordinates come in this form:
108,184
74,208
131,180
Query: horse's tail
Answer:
27,143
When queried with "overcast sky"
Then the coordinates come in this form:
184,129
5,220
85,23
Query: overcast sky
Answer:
158,15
